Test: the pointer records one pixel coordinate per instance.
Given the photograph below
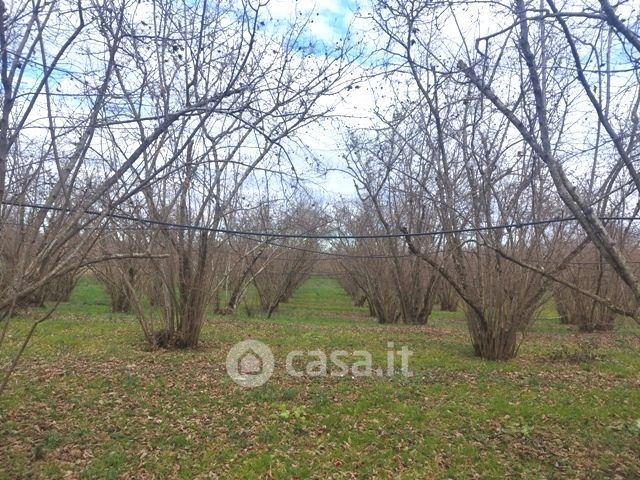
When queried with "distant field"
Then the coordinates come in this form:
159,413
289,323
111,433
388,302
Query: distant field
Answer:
89,402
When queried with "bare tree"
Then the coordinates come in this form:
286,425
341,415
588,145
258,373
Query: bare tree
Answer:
163,111
597,36
222,154
57,103
460,163
396,285
289,261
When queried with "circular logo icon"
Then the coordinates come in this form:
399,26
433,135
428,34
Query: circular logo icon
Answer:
250,363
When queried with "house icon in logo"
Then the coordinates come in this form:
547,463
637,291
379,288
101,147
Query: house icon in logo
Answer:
250,363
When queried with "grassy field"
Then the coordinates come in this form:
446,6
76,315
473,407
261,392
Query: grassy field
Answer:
89,402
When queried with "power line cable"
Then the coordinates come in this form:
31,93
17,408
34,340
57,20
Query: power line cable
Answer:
226,231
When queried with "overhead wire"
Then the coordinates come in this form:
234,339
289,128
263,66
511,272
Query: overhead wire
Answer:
259,234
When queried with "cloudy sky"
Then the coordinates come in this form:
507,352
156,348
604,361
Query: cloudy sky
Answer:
330,21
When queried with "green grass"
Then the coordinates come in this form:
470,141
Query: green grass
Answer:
88,402
88,298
